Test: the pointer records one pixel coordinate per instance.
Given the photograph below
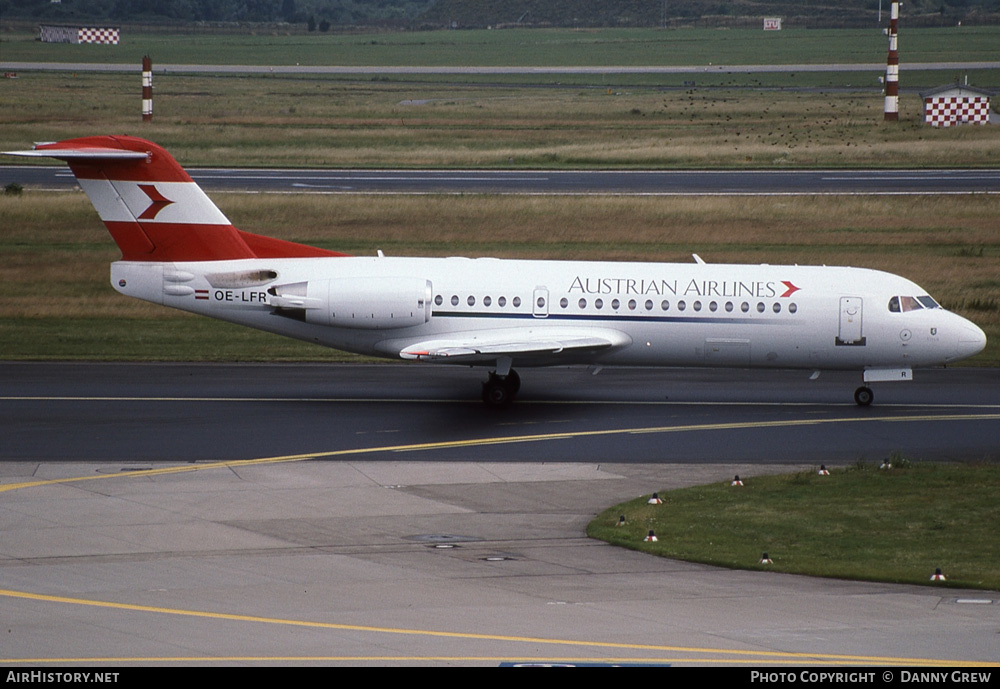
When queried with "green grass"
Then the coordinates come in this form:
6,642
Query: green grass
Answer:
162,337
527,47
321,122
554,121
893,525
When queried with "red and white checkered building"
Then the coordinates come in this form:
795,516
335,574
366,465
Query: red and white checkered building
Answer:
101,35
956,104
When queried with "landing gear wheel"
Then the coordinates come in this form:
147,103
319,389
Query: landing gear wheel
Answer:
864,396
500,392
514,381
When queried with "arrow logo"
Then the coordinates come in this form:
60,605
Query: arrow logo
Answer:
792,289
159,202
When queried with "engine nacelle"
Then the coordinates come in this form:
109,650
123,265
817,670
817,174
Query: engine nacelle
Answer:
367,303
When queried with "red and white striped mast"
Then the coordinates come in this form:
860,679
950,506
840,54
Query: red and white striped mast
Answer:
147,89
892,68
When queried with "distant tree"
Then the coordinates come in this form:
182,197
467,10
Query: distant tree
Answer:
288,10
312,23
324,26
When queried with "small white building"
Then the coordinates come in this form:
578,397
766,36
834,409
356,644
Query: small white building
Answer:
956,104
59,33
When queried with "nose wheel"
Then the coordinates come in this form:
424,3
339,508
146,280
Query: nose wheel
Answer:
499,391
864,396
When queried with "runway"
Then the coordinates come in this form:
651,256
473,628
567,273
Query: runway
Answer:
562,182
120,412
379,515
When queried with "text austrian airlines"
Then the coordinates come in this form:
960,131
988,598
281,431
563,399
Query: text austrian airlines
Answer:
179,250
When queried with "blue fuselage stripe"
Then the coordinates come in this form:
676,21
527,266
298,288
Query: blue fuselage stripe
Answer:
615,318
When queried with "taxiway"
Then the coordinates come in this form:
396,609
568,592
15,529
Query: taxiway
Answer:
403,523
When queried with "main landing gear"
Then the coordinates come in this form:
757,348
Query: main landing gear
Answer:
864,396
499,391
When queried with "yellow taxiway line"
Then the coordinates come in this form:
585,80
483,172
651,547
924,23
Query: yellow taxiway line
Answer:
741,655
504,440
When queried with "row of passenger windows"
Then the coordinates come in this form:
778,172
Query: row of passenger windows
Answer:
682,305
487,301
631,304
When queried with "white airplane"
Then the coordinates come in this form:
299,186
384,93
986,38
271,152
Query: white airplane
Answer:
179,250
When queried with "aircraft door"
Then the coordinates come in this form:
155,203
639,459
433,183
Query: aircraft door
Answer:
850,330
540,302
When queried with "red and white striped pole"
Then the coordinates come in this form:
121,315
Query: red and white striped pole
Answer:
892,68
147,89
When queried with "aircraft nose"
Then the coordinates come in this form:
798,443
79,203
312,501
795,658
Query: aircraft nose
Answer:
971,340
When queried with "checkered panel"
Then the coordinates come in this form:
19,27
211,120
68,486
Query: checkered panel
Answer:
947,112
100,36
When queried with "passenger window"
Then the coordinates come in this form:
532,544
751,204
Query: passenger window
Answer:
516,302
598,303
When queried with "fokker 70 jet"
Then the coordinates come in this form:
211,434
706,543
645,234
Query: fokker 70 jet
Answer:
179,250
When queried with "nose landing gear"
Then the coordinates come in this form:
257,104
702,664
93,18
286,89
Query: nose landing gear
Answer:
864,396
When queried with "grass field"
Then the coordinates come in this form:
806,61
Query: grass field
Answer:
528,47
57,303
299,121
895,525
604,120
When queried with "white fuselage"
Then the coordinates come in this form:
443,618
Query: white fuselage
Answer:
662,314
180,250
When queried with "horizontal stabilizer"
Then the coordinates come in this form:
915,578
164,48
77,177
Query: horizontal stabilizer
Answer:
95,153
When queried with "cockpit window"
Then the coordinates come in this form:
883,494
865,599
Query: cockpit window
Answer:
902,304
909,304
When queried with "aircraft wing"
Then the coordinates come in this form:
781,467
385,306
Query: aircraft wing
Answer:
542,345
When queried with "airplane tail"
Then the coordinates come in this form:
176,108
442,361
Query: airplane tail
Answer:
152,207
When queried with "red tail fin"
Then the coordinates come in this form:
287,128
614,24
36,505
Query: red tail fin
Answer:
153,209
